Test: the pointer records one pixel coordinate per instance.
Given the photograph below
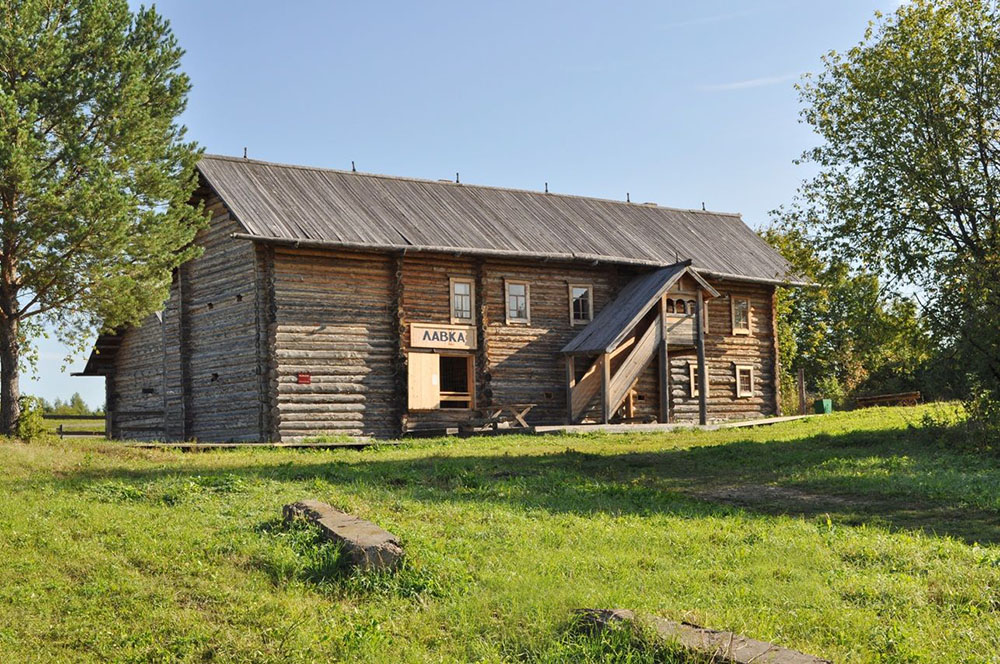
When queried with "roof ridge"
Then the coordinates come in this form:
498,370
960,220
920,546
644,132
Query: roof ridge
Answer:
405,178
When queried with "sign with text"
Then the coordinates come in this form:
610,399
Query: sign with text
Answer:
430,335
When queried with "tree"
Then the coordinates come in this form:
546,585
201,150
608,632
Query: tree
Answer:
909,167
849,334
95,173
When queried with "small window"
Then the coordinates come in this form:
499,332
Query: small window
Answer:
462,300
744,381
518,305
681,307
670,307
693,378
741,315
581,304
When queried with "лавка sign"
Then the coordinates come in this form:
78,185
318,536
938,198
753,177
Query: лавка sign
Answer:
429,335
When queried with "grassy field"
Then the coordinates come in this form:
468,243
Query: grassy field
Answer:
854,536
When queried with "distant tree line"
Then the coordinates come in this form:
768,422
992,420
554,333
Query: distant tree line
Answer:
74,406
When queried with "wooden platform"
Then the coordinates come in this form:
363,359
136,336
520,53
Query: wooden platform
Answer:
650,428
358,444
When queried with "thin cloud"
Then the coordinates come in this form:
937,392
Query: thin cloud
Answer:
708,20
750,83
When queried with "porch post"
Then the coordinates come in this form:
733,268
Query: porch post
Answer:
606,387
664,365
699,325
570,384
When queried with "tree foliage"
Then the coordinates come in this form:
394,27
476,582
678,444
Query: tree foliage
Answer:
850,335
95,172
908,184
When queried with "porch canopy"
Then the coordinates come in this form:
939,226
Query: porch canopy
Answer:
626,336
615,321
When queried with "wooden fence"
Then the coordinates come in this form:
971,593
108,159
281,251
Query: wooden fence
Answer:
62,430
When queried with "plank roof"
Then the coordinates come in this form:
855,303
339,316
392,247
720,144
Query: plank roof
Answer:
297,204
614,322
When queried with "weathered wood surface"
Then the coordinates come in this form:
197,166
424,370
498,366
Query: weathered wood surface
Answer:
899,399
717,645
333,320
365,544
362,211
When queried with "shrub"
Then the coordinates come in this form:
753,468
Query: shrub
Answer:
31,424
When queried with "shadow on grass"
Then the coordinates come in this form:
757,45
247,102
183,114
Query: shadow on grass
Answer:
900,479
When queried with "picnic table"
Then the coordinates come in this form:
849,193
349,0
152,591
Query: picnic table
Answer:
515,414
900,399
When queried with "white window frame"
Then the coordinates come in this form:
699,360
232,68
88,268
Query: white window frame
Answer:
471,320
740,393
732,313
693,390
590,303
507,283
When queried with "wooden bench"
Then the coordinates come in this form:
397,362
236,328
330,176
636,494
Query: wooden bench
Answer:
900,399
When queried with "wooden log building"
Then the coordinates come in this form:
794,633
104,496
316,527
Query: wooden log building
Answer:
335,302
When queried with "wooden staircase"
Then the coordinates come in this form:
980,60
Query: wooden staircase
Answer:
637,357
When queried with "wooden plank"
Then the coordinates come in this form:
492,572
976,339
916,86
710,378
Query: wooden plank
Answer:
702,369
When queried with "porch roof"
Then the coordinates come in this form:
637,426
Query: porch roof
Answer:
614,322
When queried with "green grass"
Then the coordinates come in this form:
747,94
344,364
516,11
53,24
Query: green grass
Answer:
857,536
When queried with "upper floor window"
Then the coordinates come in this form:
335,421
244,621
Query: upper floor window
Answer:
741,314
463,297
518,304
581,304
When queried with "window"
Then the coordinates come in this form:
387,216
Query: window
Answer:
462,300
744,381
440,381
456,381
518,305
681,307
581,304
693,377
741,314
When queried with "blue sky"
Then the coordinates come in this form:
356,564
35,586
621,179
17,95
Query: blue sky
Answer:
674,102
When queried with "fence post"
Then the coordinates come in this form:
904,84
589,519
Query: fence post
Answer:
802,391
60,431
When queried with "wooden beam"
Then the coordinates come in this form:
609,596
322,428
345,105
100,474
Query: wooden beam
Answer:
776,372
605,388
570,384
664,364
702,369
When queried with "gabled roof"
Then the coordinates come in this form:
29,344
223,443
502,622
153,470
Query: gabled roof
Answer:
614,322
312,206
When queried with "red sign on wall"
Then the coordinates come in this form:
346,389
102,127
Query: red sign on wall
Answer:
305,378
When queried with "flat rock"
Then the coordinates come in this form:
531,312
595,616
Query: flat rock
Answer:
365,544
727,646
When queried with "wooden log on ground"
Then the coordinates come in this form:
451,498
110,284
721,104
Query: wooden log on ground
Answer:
716,645
365,544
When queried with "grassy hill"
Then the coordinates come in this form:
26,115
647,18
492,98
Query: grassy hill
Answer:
855,536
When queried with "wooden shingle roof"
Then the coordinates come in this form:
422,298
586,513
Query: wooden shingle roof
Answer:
615,321
295,204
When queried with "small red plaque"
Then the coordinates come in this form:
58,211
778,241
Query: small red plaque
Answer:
305,378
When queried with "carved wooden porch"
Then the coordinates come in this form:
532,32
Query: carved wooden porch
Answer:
650,316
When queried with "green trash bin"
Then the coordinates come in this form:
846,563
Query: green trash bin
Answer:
823,406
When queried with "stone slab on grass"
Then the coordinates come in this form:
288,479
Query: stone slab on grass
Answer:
719,646
365,544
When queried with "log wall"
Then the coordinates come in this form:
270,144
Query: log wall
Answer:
723,351
332,320
203,359
135,400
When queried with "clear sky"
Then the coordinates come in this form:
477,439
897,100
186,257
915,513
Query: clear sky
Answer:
676,102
